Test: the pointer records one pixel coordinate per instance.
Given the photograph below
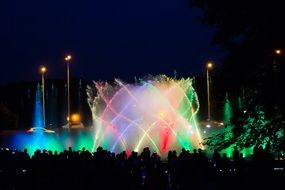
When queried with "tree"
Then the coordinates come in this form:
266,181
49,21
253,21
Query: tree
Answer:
252,125
248,30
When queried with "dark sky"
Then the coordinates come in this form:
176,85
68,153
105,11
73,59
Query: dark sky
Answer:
107,38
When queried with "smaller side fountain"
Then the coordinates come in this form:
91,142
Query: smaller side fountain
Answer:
38,108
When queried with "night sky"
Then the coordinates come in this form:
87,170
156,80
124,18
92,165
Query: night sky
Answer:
107,38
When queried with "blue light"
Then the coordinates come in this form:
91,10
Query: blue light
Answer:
38,114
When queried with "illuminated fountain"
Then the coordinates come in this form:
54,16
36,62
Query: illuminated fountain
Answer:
159,113
38,114
227,111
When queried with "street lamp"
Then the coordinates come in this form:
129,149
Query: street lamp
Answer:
276,73
209,67
278,51
43,70
67,59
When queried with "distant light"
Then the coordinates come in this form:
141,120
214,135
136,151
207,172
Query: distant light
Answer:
244,111
280,169
278,51
75,118
205,131
68,57
209,65
208,126
43,69
162,114
221,123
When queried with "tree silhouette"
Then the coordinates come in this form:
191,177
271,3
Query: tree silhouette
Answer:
252,125
248,30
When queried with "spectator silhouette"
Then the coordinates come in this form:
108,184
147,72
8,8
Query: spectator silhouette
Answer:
73,169
236,154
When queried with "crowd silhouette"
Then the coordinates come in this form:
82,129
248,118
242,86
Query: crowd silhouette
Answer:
103,169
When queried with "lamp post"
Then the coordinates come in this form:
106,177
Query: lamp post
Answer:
67,59
209,66
43,70
276,74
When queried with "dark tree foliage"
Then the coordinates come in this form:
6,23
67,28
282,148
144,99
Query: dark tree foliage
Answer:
252,125
248,30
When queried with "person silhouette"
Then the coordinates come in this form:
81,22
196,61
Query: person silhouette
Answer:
236,154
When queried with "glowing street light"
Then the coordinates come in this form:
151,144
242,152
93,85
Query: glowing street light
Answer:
43,70
209,66
68,59
278,51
